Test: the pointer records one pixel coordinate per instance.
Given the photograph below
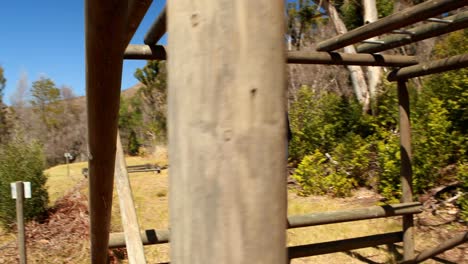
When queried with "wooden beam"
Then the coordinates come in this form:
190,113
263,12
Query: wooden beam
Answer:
227,131
398,20
136,253
145,52
335,58
162,236
406,172
353,214
419,33
343,245
136,11
106,30
148,237
431,67
157,29
156,52
446,245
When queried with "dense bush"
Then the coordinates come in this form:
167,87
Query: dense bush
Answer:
22,161
337,147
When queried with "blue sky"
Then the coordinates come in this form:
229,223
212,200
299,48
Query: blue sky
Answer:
46,38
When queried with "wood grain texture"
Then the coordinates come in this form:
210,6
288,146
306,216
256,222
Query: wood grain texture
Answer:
227,134
136,253
106,30
406,172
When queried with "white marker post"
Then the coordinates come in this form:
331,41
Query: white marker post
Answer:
68,157
19,191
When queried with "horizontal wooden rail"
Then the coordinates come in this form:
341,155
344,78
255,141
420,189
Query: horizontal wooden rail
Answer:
117,239
419,33
451,243
335,58
148,237
144,170
145,52
353,214
157,29
398,20
431,67
344,245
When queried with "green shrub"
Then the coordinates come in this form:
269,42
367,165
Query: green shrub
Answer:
22,161
322,120
319,175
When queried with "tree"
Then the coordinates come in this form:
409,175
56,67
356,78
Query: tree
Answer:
130,124
373,73
153,96
356,73
5,124
45,101
303,15
2,82
22,161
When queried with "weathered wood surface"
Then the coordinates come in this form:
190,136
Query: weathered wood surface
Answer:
336,58
157,29
148,237
106,30
398,20
157,52
227,133
430,67
341,216
162,236
343,245
136,254
20,222
418,33
406,172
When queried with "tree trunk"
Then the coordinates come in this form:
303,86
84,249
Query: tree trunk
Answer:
373,73
357,74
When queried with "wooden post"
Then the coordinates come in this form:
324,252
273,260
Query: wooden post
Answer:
227,133
20,221
406,171
136,254
106,33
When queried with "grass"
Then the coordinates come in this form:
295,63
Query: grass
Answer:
150,191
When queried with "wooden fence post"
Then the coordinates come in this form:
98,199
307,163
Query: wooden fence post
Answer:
227,134
406,171
20,221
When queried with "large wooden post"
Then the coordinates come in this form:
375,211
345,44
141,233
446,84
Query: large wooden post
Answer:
106,36
227,135
406,171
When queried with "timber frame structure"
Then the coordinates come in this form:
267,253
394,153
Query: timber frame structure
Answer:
226,76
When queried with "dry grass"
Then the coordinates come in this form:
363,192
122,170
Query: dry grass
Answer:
150,192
